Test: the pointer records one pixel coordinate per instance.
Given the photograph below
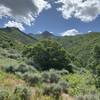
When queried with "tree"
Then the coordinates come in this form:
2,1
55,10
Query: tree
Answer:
97,54
49,54
94,60
94,64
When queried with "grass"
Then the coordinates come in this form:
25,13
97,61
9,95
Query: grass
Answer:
9,81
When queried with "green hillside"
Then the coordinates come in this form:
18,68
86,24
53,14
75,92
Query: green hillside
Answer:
49,67
81,46
15,36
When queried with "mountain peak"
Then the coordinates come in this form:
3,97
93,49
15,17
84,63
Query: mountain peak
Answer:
47,34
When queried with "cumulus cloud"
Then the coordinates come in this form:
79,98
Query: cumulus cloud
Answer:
4,11
71,32
85,10
89,31
22,11
14,24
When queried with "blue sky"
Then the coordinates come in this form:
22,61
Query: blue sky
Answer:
61,17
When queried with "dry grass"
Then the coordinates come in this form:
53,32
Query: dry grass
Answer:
66,97
9,81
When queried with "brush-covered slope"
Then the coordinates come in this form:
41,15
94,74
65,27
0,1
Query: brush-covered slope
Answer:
15,34
81,46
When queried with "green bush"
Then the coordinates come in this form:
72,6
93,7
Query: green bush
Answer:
23,93
50,76
13,56
29,61
55,89
45,76
4,95
63,72
88,97
52,90
64,86
83,83
22,68
5,45
98,82
32,79
10,69
54,78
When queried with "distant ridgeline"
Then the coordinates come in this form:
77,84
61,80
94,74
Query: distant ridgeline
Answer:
80,45
14,37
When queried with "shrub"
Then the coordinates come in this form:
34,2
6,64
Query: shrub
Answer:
45,77
56,91
19,74
4,95
23,93
81,83
98,82
64,86
13,56
10,69
29,61
52,90
22,68
63,72
5,45
32,79
35,79
88,97
50,76
47,90
54,77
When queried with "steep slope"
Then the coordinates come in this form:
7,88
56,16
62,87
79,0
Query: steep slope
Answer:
81,45
15,34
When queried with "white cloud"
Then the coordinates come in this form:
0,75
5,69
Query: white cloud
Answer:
23,11
4,11
89,31
14,24
85,10
41,4
71,32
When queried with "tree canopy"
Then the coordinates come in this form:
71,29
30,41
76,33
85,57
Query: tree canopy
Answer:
49,54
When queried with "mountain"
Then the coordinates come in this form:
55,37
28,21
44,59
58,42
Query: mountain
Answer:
43,35
17,35
81,45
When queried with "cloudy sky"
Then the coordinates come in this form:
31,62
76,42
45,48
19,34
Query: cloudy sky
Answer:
62,17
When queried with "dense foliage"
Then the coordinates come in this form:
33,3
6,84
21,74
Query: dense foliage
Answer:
49,54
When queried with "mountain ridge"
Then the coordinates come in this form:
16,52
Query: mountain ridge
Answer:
79,45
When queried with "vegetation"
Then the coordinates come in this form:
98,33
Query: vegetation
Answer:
57,68
48,54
